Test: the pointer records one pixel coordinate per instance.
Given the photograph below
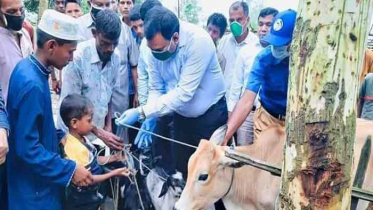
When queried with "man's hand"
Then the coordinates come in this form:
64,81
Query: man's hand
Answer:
82,177
143,139
108,138
56,86
128,117
3,145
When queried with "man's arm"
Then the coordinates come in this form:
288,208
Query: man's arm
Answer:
108,126
133,58
4,128
245,104
240,113
199,57
135,78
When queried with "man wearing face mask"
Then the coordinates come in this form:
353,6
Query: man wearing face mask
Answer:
240,36
94,71
184,79
244,63
270,73
86,22
15,41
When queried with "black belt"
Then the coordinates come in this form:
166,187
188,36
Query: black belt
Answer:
275,115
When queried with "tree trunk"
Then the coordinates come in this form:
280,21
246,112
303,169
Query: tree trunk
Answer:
327,52
43,5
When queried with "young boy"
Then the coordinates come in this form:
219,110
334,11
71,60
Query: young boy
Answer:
76,112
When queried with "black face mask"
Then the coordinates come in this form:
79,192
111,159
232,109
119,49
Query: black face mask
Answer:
13,22
94,11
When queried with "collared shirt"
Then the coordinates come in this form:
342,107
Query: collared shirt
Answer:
143,72
270,76
188,83
85,76
85,27
3,114
229,49
129,55
37,175
366,95
11,54
244,63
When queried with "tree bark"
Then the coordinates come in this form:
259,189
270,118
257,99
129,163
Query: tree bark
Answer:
43,5
327,52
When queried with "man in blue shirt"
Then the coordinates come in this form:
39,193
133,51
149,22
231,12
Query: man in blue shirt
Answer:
4,128
185,79
37,175
269,74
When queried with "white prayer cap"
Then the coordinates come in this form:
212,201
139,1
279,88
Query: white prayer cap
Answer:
59,25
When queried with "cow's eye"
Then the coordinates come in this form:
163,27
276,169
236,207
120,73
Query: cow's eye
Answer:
203,177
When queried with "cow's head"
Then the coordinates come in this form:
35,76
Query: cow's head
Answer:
209,177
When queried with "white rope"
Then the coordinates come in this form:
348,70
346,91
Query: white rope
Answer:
164,179
162,137
138,192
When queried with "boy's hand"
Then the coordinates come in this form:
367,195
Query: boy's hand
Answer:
121,172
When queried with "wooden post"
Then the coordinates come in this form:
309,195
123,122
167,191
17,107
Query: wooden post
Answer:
327,52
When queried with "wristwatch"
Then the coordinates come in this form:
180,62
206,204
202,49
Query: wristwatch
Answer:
142,116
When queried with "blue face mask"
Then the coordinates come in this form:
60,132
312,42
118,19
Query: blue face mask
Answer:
165,54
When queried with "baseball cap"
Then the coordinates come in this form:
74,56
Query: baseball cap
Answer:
282,29
59,25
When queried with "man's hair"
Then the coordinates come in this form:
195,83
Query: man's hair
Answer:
218,20
74,106
108,23
42,38
161,20
240,4
147,5
135,13
79,2
268,11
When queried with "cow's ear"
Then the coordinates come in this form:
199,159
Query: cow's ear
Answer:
228,162
165,187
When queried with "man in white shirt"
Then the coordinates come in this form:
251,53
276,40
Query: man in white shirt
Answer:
243,65
185,79
240,36
94,71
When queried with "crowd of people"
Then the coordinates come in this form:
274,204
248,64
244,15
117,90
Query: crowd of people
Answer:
161,74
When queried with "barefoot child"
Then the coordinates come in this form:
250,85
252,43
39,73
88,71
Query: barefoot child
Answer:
76,112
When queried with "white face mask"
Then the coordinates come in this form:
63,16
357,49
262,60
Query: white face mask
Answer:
280,53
